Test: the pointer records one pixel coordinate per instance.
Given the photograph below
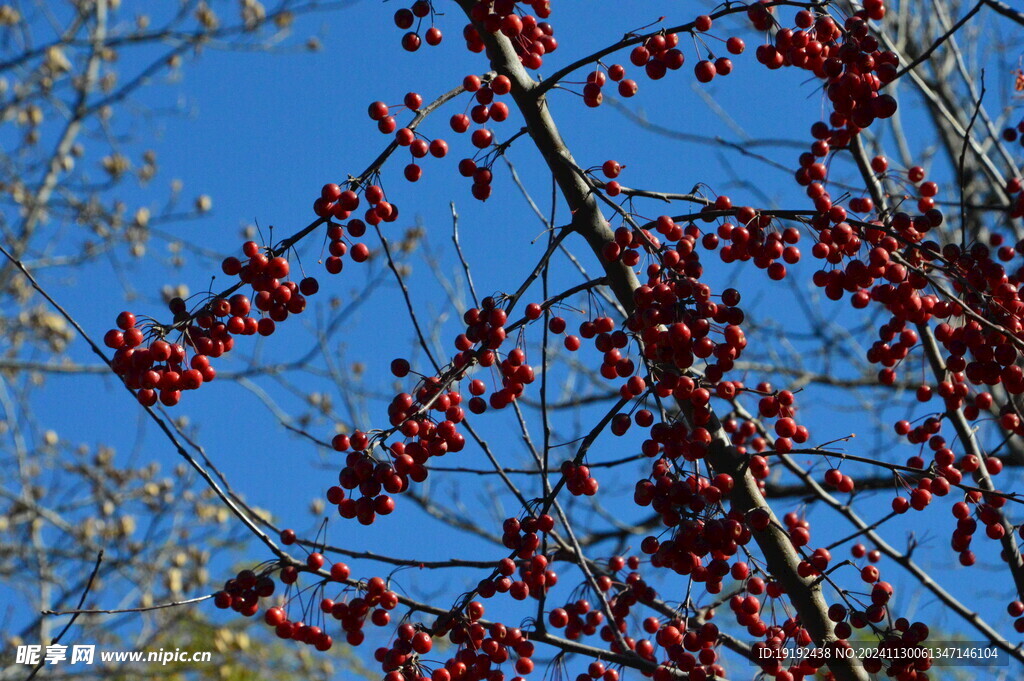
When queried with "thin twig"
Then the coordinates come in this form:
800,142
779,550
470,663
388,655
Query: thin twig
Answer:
159,606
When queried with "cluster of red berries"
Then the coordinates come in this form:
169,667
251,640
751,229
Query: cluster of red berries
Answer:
702,545
481,176
419,146
406,17
968,513
816,563
677,498
401,662
626,245
485,110
243,592
485,326
693,541
921,495
691,651
747,609
337,246
675,317
633,590
770,652
531,39
523,536
480,647
854,68
676,335
593,93
578,479
335,202
425,438
577,618
374,605
847,58
352,614
657,55
676,441
160,369
993,355
516,374
846,619
745,434
310,634
409,415
799,531
947,466
752,240
436,438
371,479
536,577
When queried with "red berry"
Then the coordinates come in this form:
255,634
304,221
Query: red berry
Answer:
705,71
